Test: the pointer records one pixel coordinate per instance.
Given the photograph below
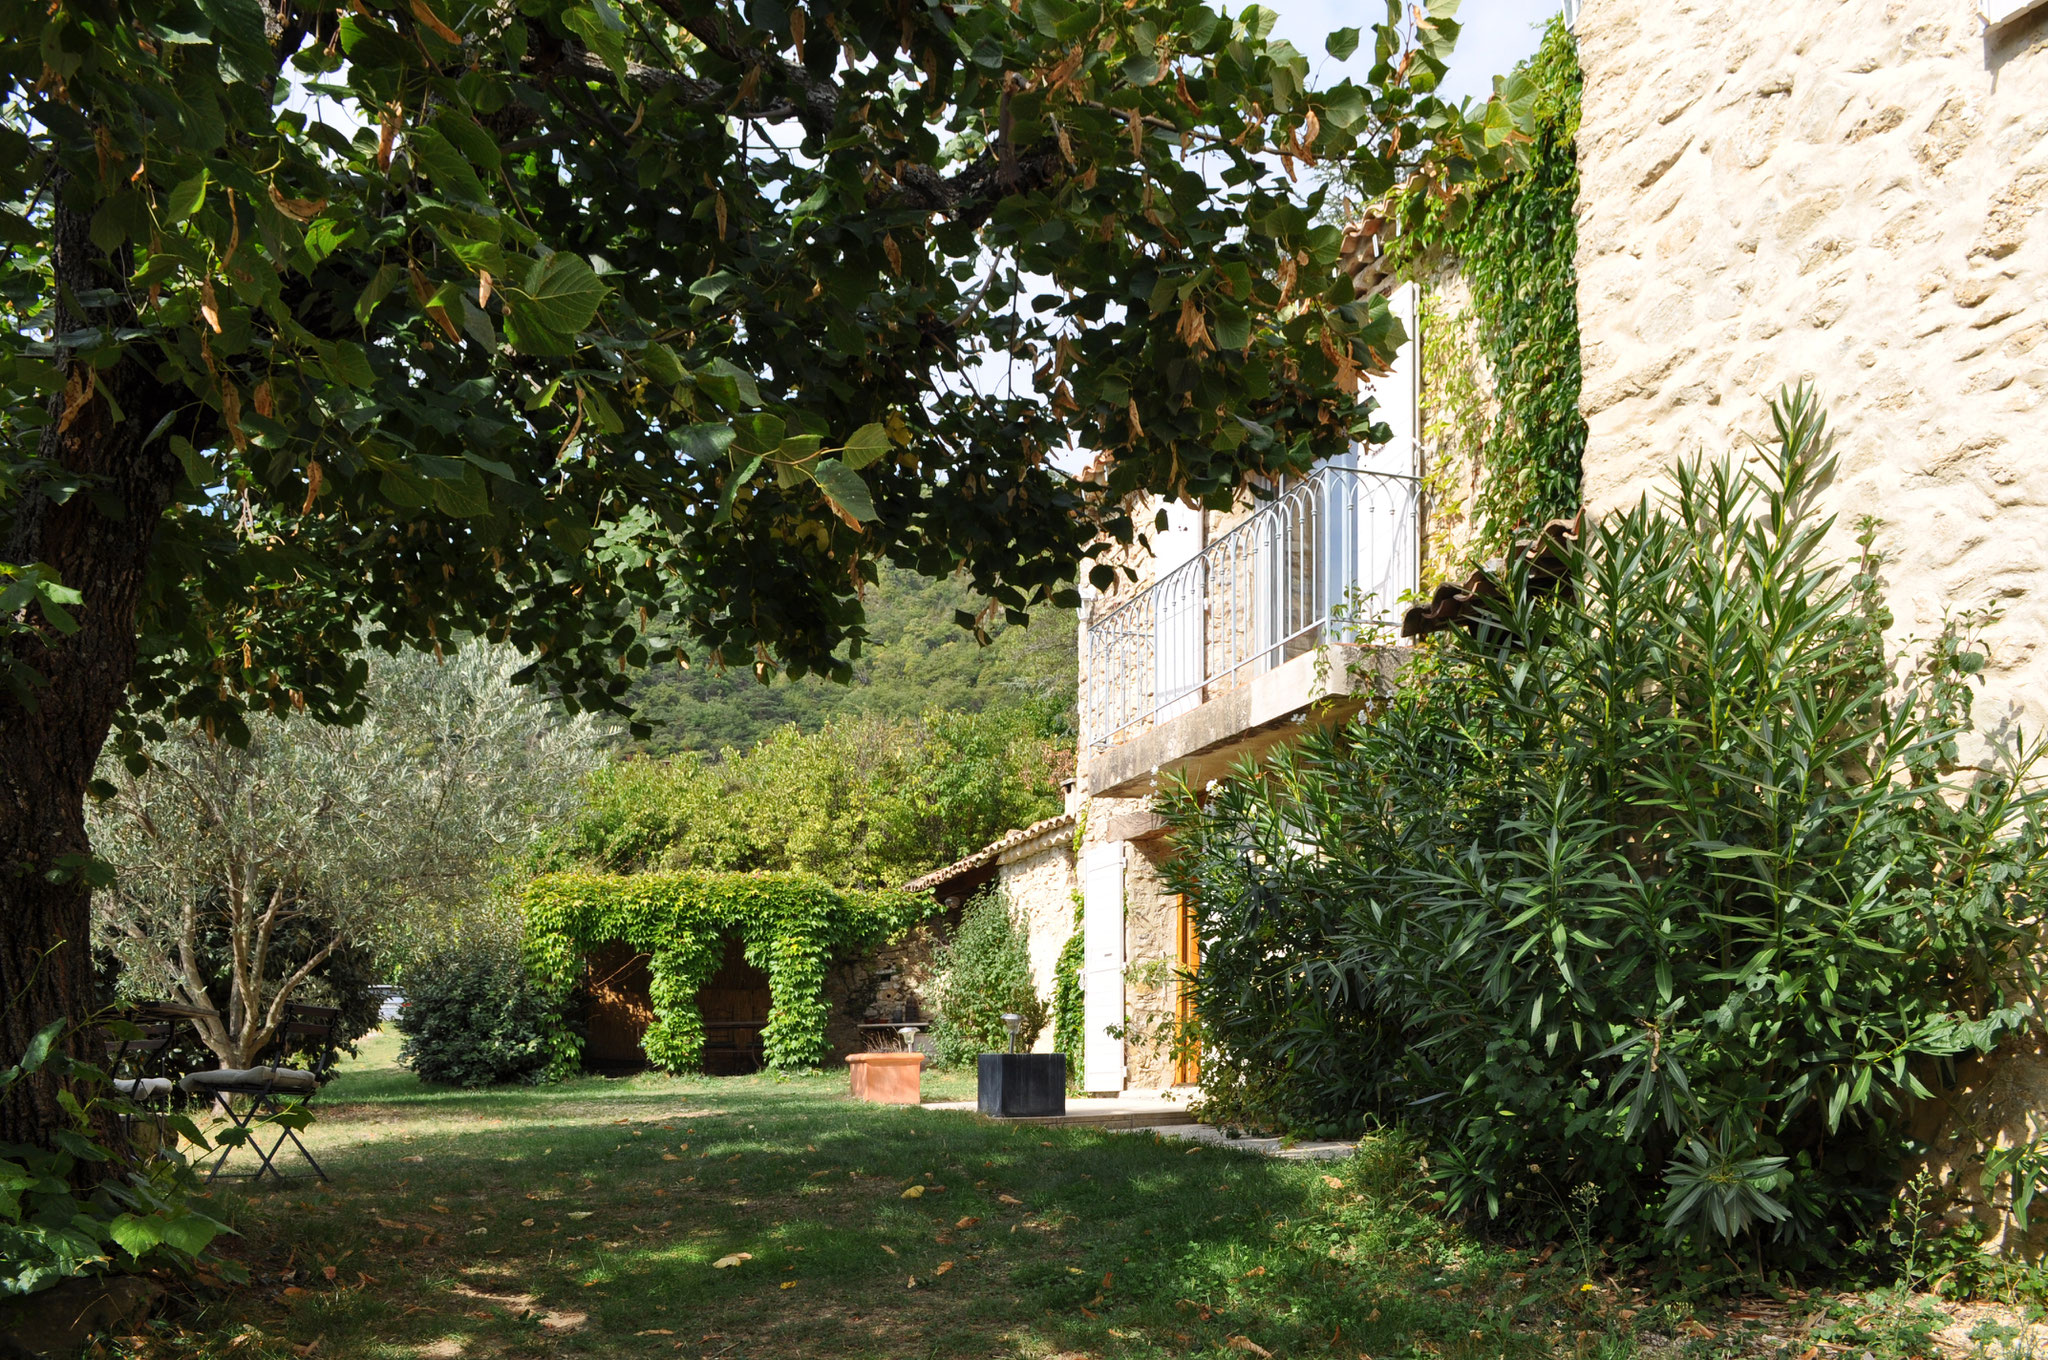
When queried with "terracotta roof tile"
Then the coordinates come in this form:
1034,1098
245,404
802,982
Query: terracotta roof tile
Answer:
1549,553
988,854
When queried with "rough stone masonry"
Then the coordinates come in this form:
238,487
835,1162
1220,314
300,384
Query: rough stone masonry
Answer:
1849,192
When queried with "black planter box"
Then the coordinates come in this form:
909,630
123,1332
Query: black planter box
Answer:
1022,1085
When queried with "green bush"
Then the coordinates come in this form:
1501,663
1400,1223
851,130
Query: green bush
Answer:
985,971
470,1019
1671,882
84,1206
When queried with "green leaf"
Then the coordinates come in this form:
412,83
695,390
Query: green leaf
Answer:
607,42
869,442
1342,43
38,1050
560,297
376,290
463,499
1140,70
844,488
701,443
710,287
732,489
136,1236
185,199
450,171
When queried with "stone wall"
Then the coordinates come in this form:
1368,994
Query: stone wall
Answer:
884,987
1151,955
1849,193
1038,878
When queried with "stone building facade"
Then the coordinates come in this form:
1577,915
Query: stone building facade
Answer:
1852,194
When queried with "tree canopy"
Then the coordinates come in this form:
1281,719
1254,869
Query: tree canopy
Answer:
607,329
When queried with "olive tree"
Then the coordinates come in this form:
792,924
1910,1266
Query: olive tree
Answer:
323,836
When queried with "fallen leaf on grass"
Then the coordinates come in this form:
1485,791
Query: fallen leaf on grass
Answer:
394,1224
944,1266
327,1271
1248,1346
580,1213
890,1250
294,1292
438,1208
1009,1199
412,1159
1255,1270
526,1223
789,1284
967,1222
656,1331
670,1157
1333,1182
726,1262
914,1192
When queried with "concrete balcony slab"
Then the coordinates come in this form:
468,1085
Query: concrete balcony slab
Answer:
1315,689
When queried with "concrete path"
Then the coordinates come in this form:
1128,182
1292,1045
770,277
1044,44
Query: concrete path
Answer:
1167,1116
1310,1151
1132,1110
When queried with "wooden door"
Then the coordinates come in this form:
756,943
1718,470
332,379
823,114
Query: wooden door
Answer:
620,1008
734,1002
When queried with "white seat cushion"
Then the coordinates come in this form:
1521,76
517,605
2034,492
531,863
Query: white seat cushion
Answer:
275,1078
143,1088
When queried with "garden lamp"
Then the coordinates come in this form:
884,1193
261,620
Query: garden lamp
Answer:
909,1036
1013,1022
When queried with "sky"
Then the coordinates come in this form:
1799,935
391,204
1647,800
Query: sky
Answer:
1495,34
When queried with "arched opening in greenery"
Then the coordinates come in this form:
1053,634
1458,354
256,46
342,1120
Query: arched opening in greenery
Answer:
791,926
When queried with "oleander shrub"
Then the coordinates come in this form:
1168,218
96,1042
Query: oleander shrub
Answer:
1683,882
470,1018
984,971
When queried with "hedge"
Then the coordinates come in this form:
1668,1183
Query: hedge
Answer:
792,926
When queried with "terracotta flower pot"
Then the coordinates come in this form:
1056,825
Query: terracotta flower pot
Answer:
886,1078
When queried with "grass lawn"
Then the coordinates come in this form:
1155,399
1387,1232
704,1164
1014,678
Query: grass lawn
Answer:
589,1218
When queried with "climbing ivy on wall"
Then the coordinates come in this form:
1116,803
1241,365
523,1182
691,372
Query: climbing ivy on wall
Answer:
1513,242
792,926
1068,1027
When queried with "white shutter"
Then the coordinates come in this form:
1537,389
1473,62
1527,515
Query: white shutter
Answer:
1102,968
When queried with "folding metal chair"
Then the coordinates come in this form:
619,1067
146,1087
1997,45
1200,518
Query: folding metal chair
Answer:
271,1096
135,1053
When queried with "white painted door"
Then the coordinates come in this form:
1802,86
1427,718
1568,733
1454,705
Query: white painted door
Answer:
1102,967
1180,593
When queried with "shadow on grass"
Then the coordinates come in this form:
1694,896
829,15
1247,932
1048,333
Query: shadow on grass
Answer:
587,1219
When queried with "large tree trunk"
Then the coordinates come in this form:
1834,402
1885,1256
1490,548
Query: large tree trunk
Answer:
98,542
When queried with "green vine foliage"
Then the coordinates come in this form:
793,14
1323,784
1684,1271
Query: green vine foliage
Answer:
793,926
1068,1025
1514,242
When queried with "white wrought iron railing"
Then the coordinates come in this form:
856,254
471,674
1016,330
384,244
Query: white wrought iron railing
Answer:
1326,561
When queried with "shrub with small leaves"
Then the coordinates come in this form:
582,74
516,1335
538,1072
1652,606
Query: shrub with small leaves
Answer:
470,1019
985,972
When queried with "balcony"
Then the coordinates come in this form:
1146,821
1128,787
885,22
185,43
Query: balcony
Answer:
1224,652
